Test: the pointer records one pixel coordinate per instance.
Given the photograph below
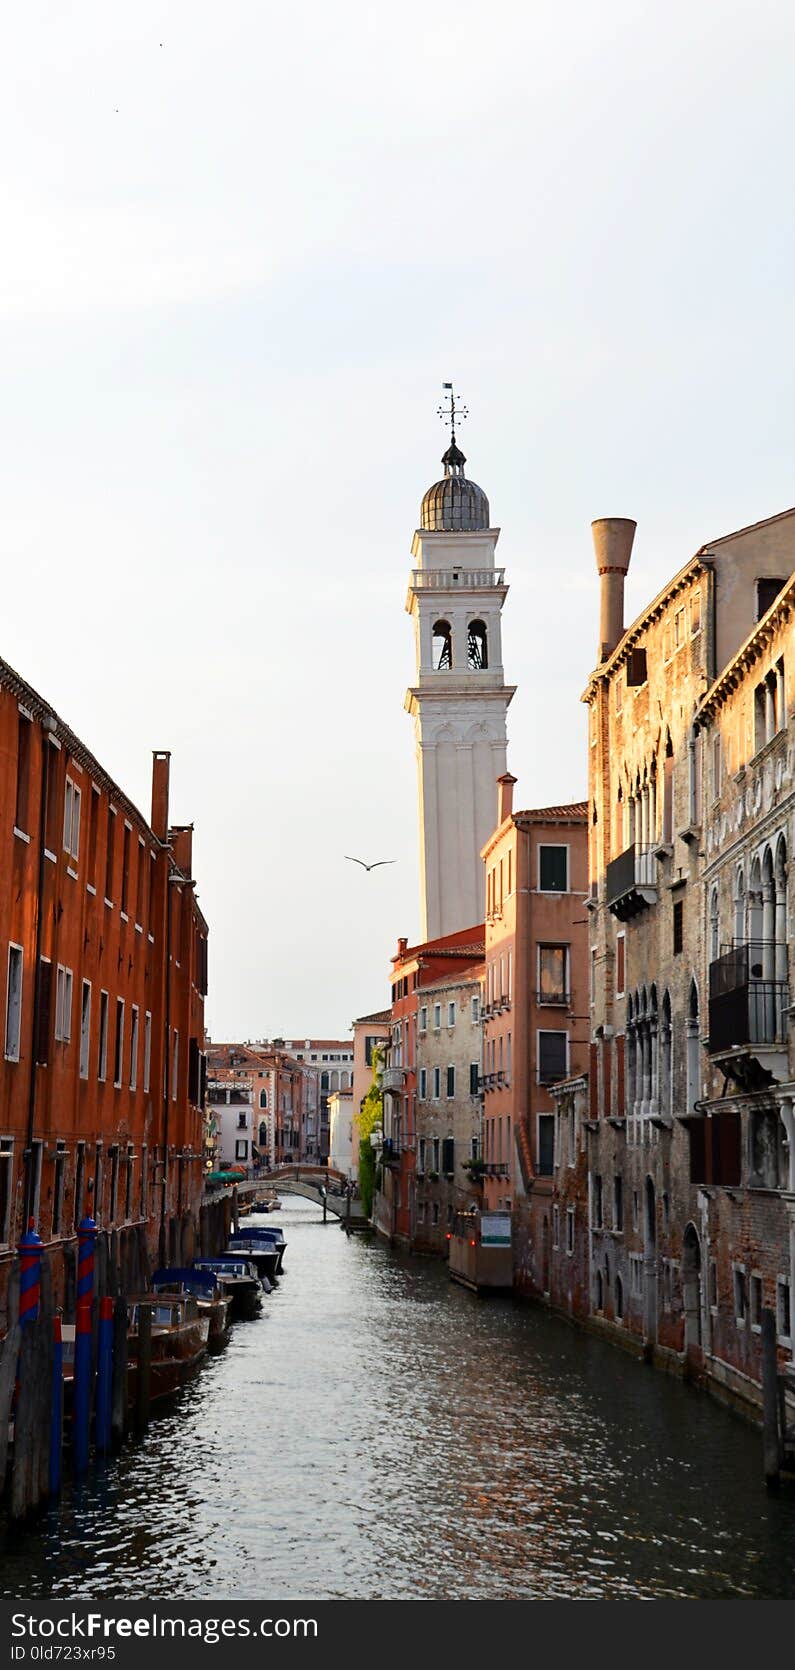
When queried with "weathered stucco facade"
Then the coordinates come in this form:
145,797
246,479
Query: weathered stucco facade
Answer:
448,1103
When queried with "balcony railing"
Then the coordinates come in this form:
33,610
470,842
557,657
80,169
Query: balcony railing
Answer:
631,882
442,579
393,1078
390,1151
744,1009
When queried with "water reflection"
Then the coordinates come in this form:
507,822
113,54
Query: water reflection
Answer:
382,1434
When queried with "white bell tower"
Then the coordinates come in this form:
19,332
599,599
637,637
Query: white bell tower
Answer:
460,699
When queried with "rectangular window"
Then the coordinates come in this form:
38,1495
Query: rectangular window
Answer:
140,878
109,855
80,1184
144,1180
102,1066
755,1303
436,1154
552,973
93,824
621,943
618,1202
783,1310
423,1084
6,1186
53,802
596,1201
570,1229
147,1051
241,1149
114,1182
695,614
437,1016
474,1076
133,1049
450,1082
37,1156
99,1180
716,768
71,818
546,1144
448,1156
59,1167
175,1067
421,1146
451,1014
552,1056
592,977
63,1004
85,1028
679,926
553,869
476,1010
128,1183
424,1018
437,1083
555,1228
118,1048
24,749
14,1003
740,1296
766,593
125,870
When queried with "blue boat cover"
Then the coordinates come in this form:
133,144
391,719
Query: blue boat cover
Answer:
196,1281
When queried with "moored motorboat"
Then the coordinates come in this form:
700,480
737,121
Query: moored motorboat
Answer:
255,1245
207,1291
179,1342
238,1279
267,1234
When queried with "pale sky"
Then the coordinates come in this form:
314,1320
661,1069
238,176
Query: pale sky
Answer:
236,268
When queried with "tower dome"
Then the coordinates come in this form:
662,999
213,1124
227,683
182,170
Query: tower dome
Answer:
454,505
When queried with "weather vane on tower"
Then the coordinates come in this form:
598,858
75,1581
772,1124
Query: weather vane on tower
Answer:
449,411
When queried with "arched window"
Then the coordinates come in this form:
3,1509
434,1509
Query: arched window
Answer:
477,646
263,1134
442,647
666,1054
714,926
619,1299
739,908
263,1098
782,967
693,1047
599,1296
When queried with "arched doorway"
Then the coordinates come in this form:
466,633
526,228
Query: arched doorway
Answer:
691,1292
650,1263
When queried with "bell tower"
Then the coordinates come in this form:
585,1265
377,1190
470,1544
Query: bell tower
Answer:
460,698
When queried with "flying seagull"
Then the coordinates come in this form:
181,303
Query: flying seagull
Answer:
369,866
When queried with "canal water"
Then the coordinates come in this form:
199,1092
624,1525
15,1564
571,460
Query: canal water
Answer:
380,1433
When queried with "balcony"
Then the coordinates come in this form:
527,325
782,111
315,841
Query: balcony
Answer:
391,1151
393,1079
465,579
631,882
748,1018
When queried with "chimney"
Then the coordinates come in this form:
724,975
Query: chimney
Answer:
182,843
504,796
161,767
612,543
403,946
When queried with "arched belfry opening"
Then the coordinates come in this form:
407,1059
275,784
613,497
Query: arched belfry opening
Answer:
477,646
442,647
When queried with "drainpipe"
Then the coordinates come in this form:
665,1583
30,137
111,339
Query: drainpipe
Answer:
47,726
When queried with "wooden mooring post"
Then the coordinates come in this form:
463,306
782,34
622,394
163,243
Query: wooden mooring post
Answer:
772,1437
143,1389
118,1407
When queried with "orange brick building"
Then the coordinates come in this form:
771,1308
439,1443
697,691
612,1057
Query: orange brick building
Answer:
535,1010
103,959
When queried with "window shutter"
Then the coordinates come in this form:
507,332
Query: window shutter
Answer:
593,1087
606,1075
620,1107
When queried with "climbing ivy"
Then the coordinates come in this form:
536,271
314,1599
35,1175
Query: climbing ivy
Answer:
371,1114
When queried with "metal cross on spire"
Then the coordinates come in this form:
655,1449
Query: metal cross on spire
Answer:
449,411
